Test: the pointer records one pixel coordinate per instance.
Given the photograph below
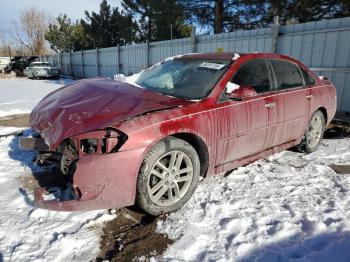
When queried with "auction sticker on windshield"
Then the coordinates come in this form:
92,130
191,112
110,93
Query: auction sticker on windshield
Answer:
212,65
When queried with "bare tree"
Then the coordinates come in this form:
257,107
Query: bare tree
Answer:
31,31
4,45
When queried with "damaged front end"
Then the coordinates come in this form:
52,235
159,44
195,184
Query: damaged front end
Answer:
95,174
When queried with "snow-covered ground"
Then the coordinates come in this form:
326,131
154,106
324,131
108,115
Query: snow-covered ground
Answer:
288,207
28,233
20,95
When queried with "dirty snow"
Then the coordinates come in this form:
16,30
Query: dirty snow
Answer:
288,207
20,95
235,57
28,233
128,79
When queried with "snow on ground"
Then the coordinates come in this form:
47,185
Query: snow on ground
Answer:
28,233
20,95
288,207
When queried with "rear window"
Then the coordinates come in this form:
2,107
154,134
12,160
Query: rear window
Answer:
309,80
287,74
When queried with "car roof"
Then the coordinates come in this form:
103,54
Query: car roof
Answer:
231,55
217,55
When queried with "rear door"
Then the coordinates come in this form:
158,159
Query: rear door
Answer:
293,99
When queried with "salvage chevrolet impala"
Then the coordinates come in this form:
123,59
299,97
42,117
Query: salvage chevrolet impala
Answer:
148,143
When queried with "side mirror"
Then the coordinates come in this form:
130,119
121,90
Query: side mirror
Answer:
237,92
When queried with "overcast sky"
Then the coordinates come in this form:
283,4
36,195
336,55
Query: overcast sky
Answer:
10,9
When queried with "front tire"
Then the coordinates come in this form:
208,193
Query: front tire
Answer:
313,134
168,176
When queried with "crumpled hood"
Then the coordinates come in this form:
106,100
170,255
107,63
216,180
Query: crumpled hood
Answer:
93,104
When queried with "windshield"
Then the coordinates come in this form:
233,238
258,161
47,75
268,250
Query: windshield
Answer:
184,78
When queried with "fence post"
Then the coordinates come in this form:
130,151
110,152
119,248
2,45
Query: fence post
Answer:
193,40
71,64
274,33
82,62
97,62
117,61
147,54
61,63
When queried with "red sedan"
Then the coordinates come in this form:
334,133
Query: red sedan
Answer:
150,142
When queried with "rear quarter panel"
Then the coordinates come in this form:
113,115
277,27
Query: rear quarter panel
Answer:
325,93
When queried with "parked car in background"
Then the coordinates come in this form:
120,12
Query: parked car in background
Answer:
38,70
4,62
149,143
19,63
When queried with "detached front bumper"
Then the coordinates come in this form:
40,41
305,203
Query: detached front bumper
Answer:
100,181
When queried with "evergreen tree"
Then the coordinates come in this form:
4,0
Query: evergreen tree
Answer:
109,27
229,15
158,19
64,36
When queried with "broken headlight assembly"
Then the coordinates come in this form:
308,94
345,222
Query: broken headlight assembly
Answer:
100,142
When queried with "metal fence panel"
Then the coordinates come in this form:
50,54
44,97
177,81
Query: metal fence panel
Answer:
108,61
90,64
158,51
258,40
133,58
324,46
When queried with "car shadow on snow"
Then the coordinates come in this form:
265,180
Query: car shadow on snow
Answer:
337,132
303,247
46,177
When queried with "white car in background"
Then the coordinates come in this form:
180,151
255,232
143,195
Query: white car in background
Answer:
4,61
37,70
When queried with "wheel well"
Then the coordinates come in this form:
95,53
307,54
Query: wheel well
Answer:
200,147
324,112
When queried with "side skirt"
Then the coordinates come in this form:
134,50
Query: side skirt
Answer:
246,160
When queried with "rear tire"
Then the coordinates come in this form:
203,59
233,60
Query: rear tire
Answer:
313,134
168,176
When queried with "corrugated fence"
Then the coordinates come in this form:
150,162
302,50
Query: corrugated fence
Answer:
324,46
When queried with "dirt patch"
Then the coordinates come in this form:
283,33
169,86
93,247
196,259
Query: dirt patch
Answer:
336,131
7,76
130,236
341,169
20,120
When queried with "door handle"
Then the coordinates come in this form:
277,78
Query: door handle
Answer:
308,97
272,104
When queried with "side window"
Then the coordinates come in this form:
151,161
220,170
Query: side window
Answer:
255,74
309,81
287,74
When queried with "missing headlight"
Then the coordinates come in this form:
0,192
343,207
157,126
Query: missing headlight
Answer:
89,146
100,142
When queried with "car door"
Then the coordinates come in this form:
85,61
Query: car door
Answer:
292,95
248,121
312,93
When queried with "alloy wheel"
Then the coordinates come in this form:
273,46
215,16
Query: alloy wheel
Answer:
314,133
170,178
